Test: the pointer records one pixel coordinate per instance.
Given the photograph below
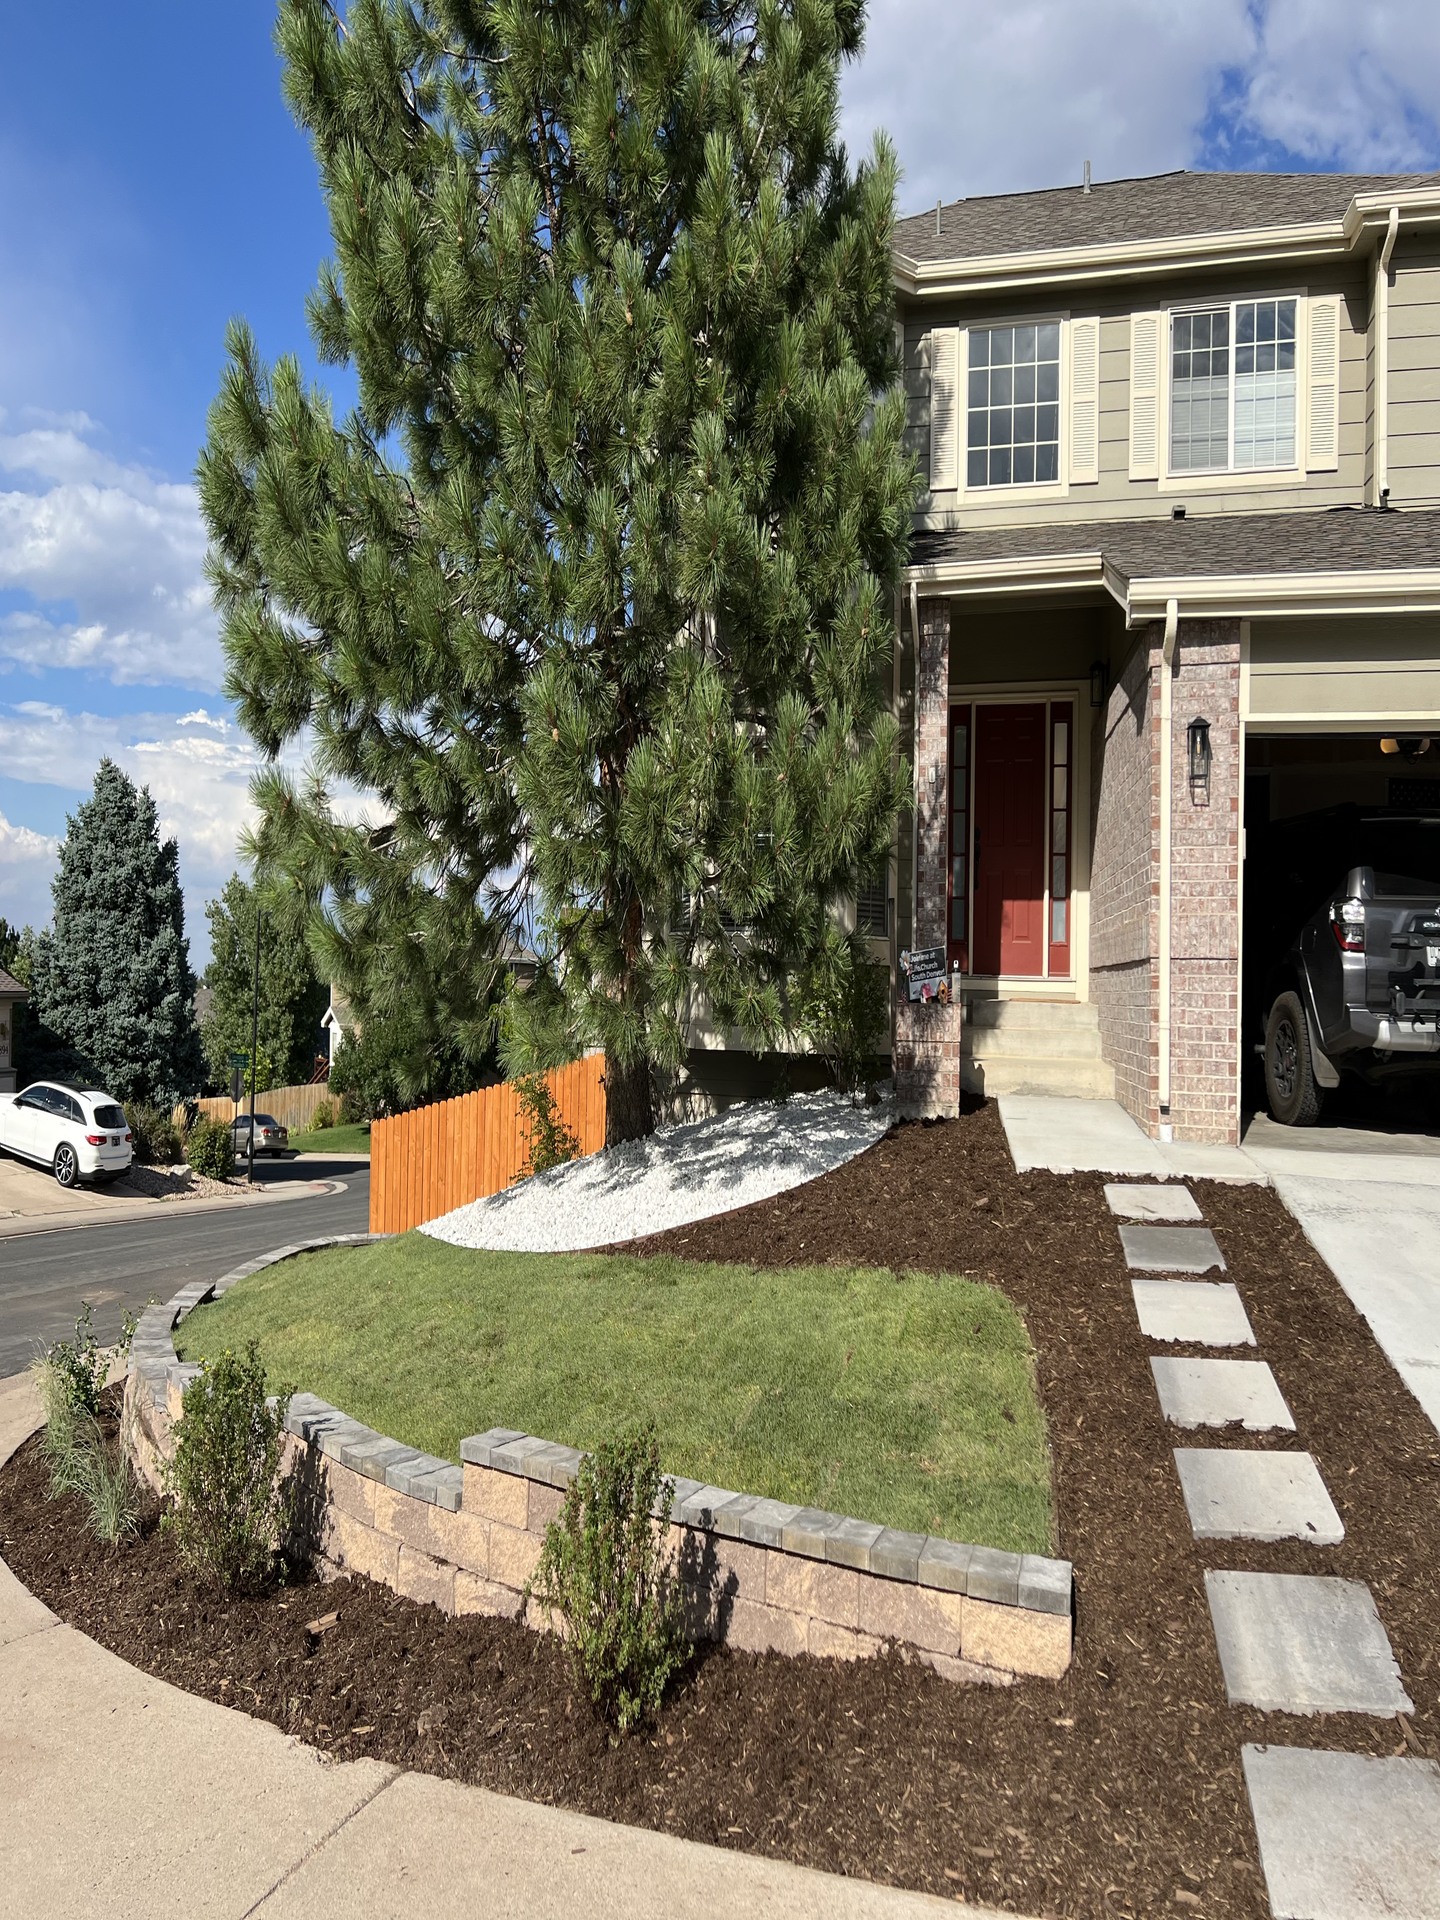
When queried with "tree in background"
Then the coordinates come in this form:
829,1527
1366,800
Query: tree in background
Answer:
391,1065
593,590
111,976
293,998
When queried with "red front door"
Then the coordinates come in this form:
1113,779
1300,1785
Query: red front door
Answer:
1011,763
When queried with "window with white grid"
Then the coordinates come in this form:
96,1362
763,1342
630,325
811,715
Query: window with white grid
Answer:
1232,387
1013,406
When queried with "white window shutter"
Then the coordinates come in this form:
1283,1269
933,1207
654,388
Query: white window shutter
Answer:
1084,400
1322,412
1147,330
944,409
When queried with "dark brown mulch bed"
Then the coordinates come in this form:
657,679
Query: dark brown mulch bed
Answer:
1117,1791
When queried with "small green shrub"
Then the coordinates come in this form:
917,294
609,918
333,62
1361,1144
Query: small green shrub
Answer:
157,1139
60,1440
210,1149
230,1508
79,1367
324,1116
603,1569
548,1141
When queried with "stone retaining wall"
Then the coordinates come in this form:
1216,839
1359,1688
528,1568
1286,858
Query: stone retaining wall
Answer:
759,1574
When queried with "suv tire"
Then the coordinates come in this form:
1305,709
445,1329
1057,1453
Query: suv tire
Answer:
1291,1090
66,1165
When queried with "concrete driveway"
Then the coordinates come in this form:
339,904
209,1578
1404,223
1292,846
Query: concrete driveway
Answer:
1370,1205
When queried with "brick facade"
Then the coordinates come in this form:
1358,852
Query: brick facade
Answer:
1204,884
1205,889
926,1055
1124,877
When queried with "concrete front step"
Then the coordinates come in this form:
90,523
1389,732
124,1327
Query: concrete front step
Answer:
1089,1079
1030,1043
1050,1016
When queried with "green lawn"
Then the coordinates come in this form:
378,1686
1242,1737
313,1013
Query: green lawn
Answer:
346,1139
905,1399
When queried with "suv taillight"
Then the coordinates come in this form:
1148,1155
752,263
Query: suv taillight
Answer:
1347,917
94,1139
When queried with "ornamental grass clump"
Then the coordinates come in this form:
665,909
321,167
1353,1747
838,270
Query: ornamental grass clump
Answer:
70,1378
230,1506
604,1569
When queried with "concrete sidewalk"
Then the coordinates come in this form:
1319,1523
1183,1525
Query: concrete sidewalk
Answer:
123,1794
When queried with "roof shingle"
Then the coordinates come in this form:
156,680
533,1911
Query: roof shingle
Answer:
1338,540
1158,206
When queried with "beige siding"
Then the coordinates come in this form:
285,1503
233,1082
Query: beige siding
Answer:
1334,674
1116,496
1414,412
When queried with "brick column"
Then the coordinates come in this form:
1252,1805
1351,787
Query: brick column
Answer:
1205,888
927,1037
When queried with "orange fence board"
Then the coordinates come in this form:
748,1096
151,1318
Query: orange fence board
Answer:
429,1162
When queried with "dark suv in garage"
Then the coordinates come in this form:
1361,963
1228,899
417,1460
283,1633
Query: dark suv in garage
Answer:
1356,990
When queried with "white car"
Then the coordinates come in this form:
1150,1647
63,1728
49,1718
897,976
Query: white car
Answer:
79,1134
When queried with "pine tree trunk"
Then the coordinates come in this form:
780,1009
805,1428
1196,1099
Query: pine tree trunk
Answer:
628,1112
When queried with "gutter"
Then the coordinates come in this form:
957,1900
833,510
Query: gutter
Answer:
1163,939
1381,310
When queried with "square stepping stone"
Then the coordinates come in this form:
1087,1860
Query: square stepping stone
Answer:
1216,1393
1151,1203
1171,1250
1344,1836
1206,1313
1238,1495
1303,1643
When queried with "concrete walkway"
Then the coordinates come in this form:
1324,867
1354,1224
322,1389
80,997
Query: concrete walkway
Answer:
123,1794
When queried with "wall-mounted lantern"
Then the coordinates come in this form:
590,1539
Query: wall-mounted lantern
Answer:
1099,682
1197,739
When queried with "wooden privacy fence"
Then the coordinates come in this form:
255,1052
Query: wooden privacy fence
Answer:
426,1163
293,1107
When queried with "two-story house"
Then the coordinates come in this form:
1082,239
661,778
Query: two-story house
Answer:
1177,571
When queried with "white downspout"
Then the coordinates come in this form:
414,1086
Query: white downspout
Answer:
915,763
1167,702
1382,360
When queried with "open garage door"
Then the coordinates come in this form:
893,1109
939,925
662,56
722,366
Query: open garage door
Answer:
1342,914
1342,760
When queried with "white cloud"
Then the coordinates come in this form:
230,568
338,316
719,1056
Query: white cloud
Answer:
199,777
981,98
27,862
1354,87
123,549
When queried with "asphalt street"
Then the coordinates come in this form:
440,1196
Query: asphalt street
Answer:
45,1276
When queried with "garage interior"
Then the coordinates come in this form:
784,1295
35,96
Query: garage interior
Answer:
1295,778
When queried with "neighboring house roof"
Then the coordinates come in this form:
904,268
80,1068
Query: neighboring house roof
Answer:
1335,560
204,1003
1156,207
11,988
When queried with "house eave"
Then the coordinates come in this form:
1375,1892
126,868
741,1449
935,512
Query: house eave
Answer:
1179,253
1199,596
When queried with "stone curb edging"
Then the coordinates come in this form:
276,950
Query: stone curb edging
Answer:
769,1575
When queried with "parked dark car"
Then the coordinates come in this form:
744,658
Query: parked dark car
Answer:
270,1136
1357,988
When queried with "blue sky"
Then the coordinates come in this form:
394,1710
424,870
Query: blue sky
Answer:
152,185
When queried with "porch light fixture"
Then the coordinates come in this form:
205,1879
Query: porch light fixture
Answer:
1197,739
1099,682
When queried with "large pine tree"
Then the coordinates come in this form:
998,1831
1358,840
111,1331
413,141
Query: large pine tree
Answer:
592,592
112,974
